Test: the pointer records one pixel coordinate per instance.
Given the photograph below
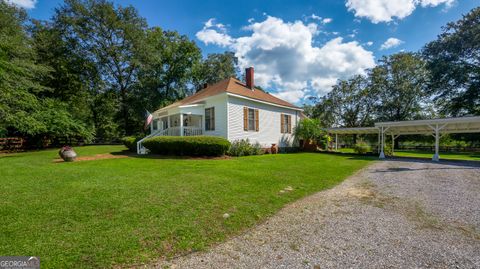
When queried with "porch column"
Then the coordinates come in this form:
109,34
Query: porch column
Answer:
436,157
151,127
382,154
181,124
336,142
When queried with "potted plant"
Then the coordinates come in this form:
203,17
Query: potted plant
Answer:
67,154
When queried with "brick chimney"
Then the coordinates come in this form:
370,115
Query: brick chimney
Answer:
249,78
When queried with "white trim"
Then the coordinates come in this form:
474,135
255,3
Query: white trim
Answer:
192,105
188,105
262,102
353,130
428,122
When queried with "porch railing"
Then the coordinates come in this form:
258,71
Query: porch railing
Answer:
172,131
192,131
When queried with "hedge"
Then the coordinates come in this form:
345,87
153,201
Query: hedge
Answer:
187,145
131,142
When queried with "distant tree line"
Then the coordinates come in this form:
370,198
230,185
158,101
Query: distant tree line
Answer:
92,69
441,80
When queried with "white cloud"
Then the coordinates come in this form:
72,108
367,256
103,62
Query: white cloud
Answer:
285,58
214,33
327,20
28,4
369,43
386,10
392,42
314,17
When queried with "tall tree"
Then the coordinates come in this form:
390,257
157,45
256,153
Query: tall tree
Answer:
216,67
169,63
399,84
454,62
24,109
110,36
349,103
69,71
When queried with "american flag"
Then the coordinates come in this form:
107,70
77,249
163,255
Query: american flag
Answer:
148,119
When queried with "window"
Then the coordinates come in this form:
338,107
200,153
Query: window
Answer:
285,124
210,119
250,119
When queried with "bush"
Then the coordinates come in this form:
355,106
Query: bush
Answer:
187,145
387,150
362,148
131,142
310,132
243,147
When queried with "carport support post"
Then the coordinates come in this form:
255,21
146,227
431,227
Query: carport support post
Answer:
336,142
436,157
382,154
393,143
378,144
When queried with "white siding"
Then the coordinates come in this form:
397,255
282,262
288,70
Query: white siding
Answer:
220,104
269,123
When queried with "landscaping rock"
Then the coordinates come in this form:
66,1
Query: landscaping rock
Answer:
67,154
226,216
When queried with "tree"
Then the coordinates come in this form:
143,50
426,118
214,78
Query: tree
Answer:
308,132
69,72
110,37
24,108
169,64
350,103
454,62
216,67
399,84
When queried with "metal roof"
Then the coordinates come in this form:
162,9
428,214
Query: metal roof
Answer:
446,125
354,130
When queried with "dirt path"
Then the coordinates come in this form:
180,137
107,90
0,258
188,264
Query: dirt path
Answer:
397,213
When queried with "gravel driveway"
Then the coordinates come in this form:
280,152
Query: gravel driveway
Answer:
395,213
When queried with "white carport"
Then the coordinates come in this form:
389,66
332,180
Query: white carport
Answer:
352,131
435,127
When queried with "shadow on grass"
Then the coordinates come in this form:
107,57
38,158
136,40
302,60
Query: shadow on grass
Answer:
453,162
169,157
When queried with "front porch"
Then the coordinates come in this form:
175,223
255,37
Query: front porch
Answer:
180,124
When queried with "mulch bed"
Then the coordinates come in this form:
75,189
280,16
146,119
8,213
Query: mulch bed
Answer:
152,156
95,157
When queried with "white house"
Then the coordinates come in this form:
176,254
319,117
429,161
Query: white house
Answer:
231,109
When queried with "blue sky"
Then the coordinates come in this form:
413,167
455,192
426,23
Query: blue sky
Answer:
298,48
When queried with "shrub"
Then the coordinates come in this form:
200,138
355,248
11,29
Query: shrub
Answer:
131,142
187,145
361,147
243,147
387,150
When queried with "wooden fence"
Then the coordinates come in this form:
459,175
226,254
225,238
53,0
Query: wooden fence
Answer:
12,144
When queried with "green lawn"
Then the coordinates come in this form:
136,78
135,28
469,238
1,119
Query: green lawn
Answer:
116,212
466,156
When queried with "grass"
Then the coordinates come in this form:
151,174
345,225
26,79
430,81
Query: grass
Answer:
120,212
465,156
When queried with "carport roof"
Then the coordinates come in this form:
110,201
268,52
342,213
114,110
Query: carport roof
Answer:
355,130
445,125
